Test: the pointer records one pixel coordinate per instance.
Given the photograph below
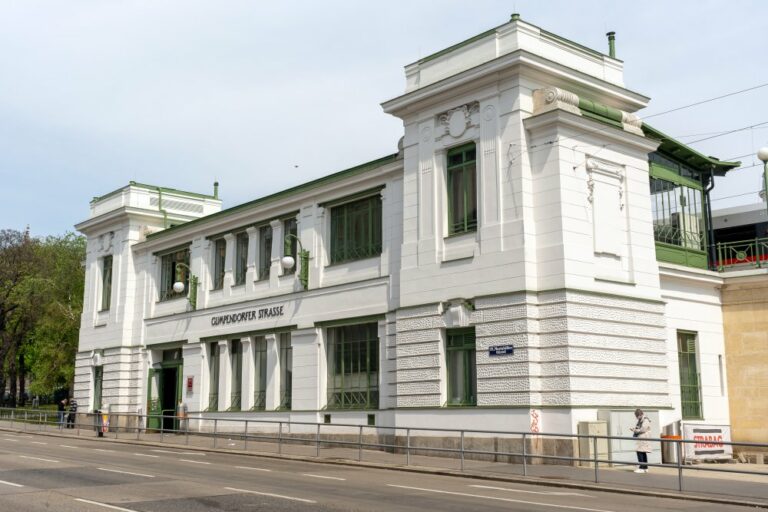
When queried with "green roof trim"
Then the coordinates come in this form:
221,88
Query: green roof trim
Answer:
687,154
164,190
331,178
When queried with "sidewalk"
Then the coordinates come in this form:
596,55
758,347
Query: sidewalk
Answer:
699,482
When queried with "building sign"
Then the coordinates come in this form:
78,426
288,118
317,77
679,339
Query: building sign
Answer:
244,316
190,383
501,350
709,442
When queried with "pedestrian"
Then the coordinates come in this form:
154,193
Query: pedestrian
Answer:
72,413
642,431
182,412
61,407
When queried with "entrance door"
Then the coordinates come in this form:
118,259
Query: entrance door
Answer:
169,387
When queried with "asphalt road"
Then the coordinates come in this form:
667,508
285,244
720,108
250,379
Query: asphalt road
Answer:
42,473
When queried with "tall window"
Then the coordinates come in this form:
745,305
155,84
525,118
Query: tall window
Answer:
353,367
213,372
106,283
356,230
462,190
219,259
171,272
690,389
260,377
286,370
462,375
241,257
677,214
236,368
291,244
98,380
265,251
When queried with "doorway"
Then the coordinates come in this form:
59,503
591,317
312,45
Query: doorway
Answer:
168,396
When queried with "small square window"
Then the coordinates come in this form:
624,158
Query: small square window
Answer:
371,420
326,418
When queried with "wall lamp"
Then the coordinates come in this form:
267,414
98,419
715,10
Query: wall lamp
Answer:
288,262
179,286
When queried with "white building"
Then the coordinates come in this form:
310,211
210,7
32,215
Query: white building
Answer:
527,209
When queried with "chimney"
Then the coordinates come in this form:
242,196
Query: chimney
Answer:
215,189
611,44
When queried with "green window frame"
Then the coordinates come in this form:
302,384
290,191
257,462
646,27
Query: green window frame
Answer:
290,244
213,373
286,370
690,382
260,377
241,257
106,283
98,384
462,189
236,371
219,260
461,366
171,272
356,230
265,252
353,366
678,217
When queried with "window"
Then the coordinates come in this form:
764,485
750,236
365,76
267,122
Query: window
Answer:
265,251
290,244
219,259
241,257
172,272
356,230
98,379
260,377
460,359
106,283
213,373
677,214
690,390
462,190
286,370
236,368
353,367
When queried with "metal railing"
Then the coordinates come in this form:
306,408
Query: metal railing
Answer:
745,253
582,457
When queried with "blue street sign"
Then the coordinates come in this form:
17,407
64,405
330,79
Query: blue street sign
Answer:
501,350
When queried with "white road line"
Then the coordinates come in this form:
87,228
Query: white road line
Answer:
67,446
146,455
178,453
102,450
508,500
37,442
10,483
10,440
531,492
292,498
323,476
37,458
125,472
104,505
193,461
254,469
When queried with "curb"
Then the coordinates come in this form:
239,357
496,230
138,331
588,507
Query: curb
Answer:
541,481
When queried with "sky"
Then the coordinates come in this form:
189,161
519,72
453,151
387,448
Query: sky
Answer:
262,96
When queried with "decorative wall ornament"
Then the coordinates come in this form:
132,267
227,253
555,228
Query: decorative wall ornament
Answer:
489,112
552,98
607,169
632,123
105,241
456,121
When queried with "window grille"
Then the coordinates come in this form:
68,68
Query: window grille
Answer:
462,190
353,367
356,230
460,365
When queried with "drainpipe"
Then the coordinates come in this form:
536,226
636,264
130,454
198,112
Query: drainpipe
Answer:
710,229
611,44
160,207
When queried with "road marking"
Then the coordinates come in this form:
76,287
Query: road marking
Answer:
67,446
146,455
10,440
37,442
102,450
194,461
509,500
178,453
531,492
104,505
323,476
10,483
37,458
126,472
292,498
253,469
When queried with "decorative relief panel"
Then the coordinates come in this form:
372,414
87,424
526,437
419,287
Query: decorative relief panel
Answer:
605,186
457,121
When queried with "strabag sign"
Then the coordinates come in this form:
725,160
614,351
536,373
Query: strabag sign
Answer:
709,442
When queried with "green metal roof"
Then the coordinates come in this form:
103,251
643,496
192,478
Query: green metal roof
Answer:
687,154
154,188
353,171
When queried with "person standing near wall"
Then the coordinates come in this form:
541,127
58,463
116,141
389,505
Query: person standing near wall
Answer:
182,412
72,413
642,431
61,407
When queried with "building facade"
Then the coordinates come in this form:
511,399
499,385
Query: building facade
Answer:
532,249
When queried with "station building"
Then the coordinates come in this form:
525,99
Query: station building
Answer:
532,256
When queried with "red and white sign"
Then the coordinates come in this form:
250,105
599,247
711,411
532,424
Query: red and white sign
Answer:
709,442
190,383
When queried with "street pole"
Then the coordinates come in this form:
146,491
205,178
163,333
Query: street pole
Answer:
762,154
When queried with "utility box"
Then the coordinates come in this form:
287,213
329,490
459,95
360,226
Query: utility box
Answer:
587,445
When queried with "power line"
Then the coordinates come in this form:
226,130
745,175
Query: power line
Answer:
707,100
728,132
